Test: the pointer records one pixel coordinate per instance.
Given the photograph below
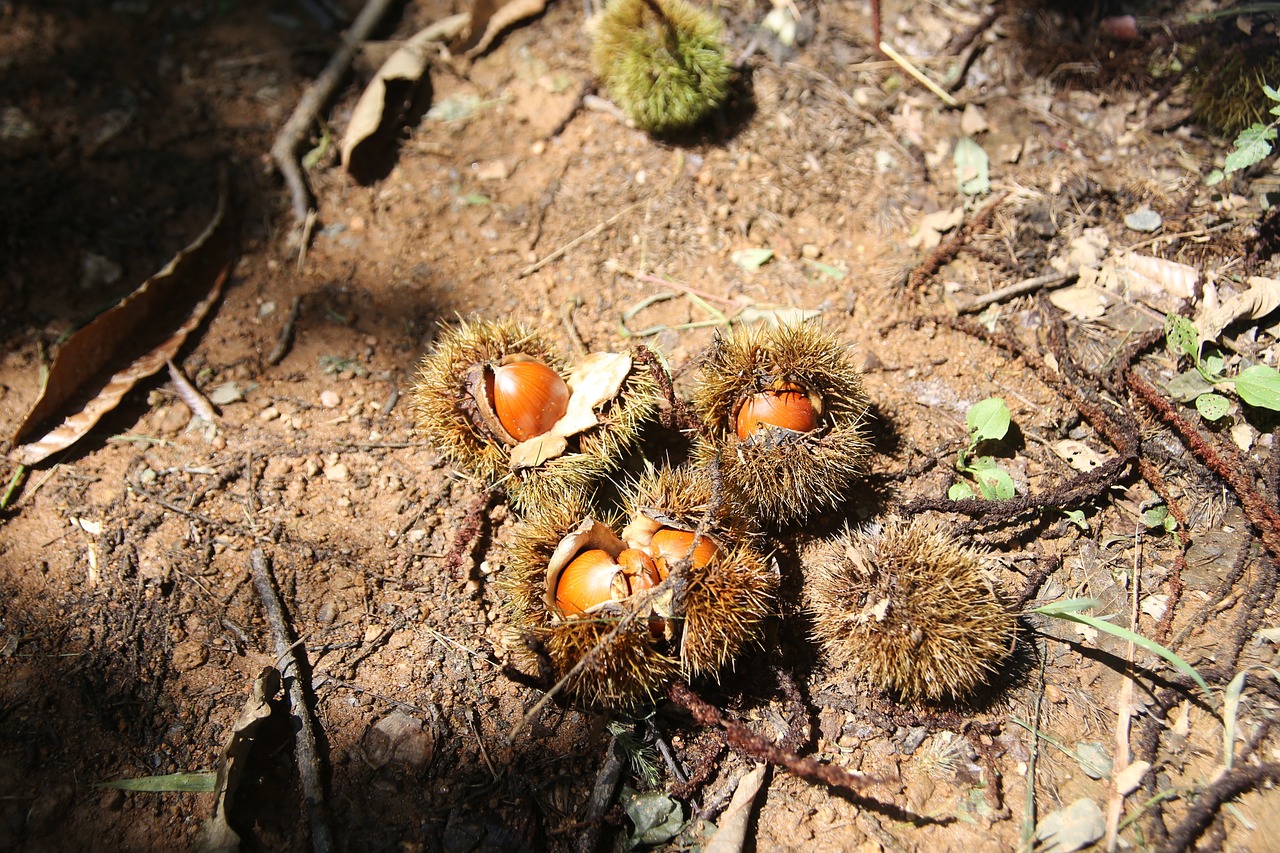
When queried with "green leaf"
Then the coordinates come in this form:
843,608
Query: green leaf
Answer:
988,420
996,485
1156,517
1252,146
751,259
474,199
834,273
960,491
1212,407
1076,517
1212,363
172,782
1259,386
1181,335
1185,387
1214,178
657,817
1273,94
973,167
1070,611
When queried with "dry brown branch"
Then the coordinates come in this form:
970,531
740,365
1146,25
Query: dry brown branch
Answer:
307,753
748,743
284,151
947,252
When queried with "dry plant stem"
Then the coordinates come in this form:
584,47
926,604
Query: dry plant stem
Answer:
284,151
1232,784
586,235
196,402
679,416
946,252
1021,288
468,530
1223,461
752,745
307,753
281,349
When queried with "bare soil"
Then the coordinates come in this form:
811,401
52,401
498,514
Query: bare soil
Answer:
131,634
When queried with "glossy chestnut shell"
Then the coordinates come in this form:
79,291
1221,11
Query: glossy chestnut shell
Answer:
669,546
593,577
527,396
788,407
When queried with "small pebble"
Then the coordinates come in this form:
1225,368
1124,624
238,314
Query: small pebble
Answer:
270,413
330,399
337,473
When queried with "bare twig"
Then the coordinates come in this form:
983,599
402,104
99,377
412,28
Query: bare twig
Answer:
198,403
285,340
918,75
602,794
586,235
752,745
307,753
284,151
1021,288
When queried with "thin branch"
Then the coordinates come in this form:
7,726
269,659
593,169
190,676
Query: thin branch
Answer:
284,151
306,750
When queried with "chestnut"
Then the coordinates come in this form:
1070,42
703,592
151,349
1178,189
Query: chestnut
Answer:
787,406
527,396
594,577
669,546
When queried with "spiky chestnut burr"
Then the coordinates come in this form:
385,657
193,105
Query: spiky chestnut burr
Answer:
909,608
693,624
662,62
784,409
628,670
520,439
730,591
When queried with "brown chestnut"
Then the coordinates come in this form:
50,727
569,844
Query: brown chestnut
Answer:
594,577
527,396
669,546
787,406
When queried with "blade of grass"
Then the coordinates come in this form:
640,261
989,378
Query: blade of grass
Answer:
198,782
1069,610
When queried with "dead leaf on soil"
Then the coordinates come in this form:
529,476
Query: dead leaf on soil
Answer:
133,331
495,16
1077,454
1262,297
382,103
216,835
732,832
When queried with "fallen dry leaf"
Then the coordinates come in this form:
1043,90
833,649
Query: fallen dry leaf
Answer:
216,835
144,330
382,104
495,16
731,835
1262,297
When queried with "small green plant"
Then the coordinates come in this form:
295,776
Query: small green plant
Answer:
1158,517
1254,143
1257,385
988,420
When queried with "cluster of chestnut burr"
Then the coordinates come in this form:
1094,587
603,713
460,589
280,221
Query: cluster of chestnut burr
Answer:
624,574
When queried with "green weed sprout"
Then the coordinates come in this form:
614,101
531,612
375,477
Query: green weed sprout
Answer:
1254,143
988,420
662,62
1257,385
